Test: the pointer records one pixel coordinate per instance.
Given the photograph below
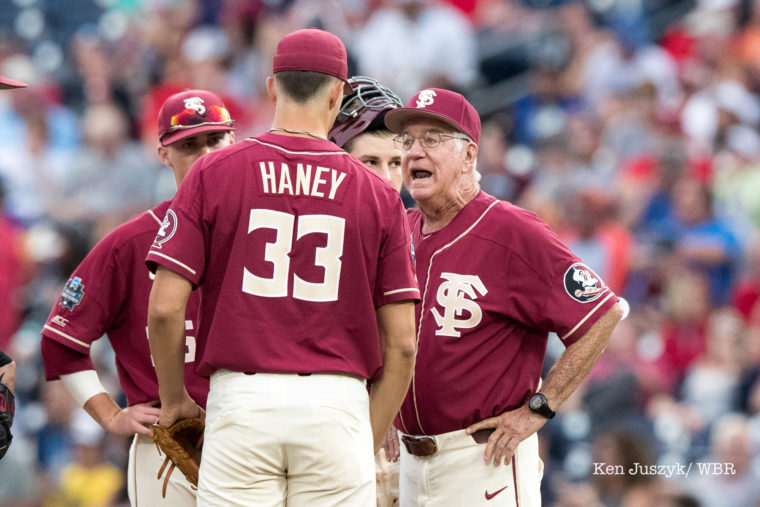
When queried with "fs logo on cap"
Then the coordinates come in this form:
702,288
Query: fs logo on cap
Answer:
167,230
196,104
425,98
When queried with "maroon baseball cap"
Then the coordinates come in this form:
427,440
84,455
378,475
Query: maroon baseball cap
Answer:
313,50
6,83
191,112
437,104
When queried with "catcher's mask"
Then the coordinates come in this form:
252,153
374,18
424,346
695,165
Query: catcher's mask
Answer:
364,108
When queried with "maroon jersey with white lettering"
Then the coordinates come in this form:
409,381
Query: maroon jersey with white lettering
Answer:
496,281
296,244
108,294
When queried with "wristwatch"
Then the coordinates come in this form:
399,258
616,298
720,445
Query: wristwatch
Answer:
539,405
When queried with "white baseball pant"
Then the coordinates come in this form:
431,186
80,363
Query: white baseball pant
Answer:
457,475
286,439
144,487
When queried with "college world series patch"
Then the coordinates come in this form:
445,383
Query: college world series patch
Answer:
582,284
73,292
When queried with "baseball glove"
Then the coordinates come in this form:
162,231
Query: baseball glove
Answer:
7,409
182,443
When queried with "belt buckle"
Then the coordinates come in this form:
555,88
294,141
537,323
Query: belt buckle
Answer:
420,445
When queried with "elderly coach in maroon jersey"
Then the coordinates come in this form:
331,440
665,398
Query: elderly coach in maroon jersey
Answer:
308,291
495,282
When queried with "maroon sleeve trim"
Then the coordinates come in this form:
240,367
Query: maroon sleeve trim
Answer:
67,336
60,359
174,262
588,315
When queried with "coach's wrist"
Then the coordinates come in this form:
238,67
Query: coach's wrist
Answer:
539,404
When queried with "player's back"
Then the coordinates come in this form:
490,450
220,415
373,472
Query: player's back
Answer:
299,243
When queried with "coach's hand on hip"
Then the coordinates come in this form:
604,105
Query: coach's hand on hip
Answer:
510,428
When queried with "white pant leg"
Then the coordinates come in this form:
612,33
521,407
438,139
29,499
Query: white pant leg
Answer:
143,486
276,439
457,475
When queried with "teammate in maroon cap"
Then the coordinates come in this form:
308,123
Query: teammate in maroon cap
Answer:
108,293
496,282
308,291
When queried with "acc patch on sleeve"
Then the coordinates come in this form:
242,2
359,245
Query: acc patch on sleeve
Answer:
582,284
73,292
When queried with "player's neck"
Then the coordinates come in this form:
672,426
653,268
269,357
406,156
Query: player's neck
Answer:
301,122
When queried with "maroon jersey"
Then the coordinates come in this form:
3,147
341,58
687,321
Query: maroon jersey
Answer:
295,243
495,282
108,294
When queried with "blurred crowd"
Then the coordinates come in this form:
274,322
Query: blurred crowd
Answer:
630,126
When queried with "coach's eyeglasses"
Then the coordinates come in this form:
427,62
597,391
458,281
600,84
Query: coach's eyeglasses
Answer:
429,140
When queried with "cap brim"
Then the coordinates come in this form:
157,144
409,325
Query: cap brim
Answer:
182,134
6,84
397,118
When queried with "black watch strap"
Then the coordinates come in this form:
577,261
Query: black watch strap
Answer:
540,405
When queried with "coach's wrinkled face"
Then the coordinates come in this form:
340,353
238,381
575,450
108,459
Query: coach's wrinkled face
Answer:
180,155
434,159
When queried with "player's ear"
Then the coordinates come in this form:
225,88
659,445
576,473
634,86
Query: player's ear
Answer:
271,92
163,154
336,94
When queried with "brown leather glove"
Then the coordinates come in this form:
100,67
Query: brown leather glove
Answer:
182,443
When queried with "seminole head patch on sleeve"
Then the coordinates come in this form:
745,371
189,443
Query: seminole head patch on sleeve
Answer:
167,230
72,294
582,284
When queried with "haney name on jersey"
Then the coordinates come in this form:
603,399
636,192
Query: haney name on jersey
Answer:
304,179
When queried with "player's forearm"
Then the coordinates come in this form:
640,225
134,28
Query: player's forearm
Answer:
578,359
166,332
396,326
103,408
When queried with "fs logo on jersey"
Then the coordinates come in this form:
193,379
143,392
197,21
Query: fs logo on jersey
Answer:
425,98
167,230
582,284
196,104
456,295
73,292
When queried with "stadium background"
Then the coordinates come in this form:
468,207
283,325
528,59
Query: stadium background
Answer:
630,126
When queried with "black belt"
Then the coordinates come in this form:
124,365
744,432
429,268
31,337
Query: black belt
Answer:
425,445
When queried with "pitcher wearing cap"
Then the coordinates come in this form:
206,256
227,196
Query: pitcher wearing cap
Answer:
308,284
108,294
495,282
